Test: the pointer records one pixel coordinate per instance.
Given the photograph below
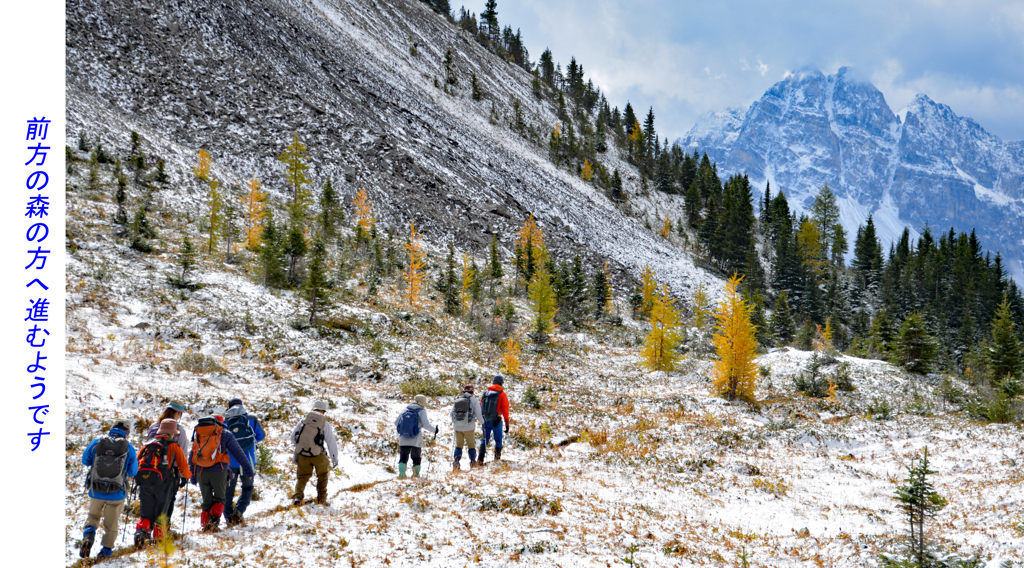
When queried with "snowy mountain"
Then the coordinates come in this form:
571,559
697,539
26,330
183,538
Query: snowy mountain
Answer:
922,166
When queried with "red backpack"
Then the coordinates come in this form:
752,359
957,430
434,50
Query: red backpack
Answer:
154,466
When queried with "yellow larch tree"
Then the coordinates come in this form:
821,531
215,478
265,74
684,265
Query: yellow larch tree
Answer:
510,356
701,307
588,171
659,350
823,337
202,169
530,236
253,207
735,345
363,211
608,306
294,159
414,270
648,290
542,301
468,276
666,229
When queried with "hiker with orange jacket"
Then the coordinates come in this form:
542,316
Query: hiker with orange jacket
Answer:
209,462
494,407
157,479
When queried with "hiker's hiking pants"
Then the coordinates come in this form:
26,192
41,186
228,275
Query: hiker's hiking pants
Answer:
153,499
110,511
495,429
467,438
213,486
405,452
244,498
306,465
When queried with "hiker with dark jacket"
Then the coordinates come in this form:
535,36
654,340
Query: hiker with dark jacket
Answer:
246,429
315,450
494,407
411,424
111,461
173,411
212,443
465,416
161,460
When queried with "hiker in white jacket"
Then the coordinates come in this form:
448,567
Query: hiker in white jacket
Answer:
314,444
411,445
465,416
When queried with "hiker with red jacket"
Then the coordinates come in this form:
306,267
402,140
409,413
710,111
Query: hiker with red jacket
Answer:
174,410
157,479
212,443
494,407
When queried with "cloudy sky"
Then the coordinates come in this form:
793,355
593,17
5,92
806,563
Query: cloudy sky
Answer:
687,58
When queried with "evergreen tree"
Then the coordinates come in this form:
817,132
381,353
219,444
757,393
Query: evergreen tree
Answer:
783,327
919,501
161,173
735,346
121,197
494,270
916,348
294,249
316,287
450,78
1004,357
450,286
294,160
615,190
474,85
490,17
659,350
600,293
270,253
331,213
187,261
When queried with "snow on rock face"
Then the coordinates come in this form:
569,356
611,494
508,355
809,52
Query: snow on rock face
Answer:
239,78
927,166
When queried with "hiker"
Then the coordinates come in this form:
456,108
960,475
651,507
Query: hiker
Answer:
209,461
494,406
173,411
246,429
157,479
465,416
411,424
315,449
111,461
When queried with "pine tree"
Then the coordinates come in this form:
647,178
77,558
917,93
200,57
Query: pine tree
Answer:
916,348
330,212
601,293
474,85
783,326
494,265
450,285
270,253
295,248
542,302
316,287
141,230
735,345
1004,357
615,190
161,173
294,160
450,77
919,501
121,217
253,205
414,268
214,215
187,261
659,351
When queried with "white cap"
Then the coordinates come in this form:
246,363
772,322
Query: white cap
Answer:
320,405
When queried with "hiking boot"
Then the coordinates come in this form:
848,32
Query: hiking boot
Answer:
105,553
88,537
297,501
401,470
415,471
234,519
456,466
140,538
497,454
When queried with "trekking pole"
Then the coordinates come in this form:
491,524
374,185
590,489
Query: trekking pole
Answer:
184,509
128,507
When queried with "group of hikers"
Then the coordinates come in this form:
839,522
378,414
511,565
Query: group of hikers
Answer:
222,451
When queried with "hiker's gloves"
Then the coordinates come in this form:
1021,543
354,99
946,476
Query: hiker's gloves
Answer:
182,482
506,428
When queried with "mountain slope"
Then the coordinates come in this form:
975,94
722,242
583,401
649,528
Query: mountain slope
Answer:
239,78
930,167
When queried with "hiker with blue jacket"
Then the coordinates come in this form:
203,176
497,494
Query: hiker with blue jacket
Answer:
411,424
111,461
247,432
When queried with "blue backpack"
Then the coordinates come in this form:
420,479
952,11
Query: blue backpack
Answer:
409,423
242,430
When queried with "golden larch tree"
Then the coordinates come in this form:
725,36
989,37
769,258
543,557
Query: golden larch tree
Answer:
294,159
659,350
510,356
701,307
587,172
648,291
363,211
542,301
823,337
608,306
202,169
666,229
253,206
414,270
735,345
530,236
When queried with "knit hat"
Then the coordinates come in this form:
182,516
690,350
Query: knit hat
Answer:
320,405
122,425
218,417
499,380
234,401
468,388
421,400
176,406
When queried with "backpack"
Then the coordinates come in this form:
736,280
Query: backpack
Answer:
243,431
409,423
309,441
463,411
107,472
206,443
489,406
154,463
